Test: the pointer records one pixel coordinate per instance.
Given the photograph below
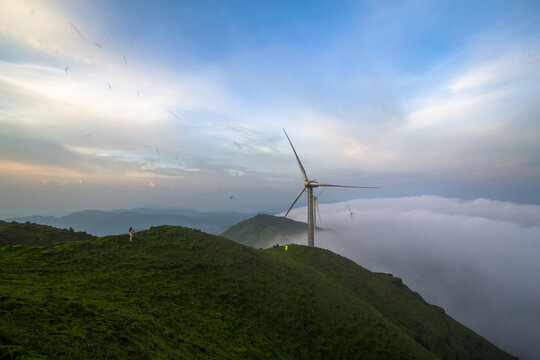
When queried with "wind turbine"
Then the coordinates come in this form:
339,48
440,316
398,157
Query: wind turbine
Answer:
316,203
310,185
352,213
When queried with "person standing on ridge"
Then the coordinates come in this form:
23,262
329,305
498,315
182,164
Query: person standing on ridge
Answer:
131,234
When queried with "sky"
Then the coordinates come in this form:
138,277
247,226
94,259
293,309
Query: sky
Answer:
477,259
120,104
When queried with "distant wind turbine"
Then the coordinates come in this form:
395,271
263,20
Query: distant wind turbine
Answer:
309,185
350,211
316,202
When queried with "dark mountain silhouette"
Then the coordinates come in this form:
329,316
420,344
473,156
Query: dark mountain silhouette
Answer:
101,223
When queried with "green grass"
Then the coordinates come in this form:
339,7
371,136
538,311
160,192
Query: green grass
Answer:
178,293
32,234
263,230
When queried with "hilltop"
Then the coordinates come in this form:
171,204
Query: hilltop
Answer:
262,230
32,234
179,293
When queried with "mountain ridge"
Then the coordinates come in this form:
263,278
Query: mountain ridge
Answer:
101,223
176,292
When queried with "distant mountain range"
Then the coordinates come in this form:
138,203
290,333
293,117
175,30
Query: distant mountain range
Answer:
114,222
179,293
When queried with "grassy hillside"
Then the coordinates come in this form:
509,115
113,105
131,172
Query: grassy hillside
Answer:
261,230
177,293
32,234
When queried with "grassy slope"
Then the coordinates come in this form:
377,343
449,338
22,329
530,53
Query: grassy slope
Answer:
261,229
13,233
426,324
180,293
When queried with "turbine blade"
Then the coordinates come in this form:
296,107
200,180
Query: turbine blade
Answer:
345,186
294,202
297,158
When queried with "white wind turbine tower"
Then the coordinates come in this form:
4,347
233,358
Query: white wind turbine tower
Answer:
309,185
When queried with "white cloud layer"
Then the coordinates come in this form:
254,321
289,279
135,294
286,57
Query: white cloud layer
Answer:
477,259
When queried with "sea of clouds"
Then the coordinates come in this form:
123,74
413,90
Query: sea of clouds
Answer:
479,260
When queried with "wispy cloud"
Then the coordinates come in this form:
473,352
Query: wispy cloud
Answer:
478,92
40,26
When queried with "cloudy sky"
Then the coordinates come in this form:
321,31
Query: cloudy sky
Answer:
182,103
